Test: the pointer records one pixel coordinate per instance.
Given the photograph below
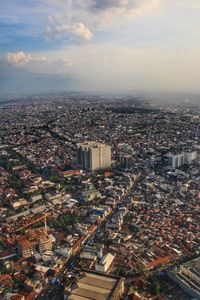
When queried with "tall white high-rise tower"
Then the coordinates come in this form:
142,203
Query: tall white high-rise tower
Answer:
93,155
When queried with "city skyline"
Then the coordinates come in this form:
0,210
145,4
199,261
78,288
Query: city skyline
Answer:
107,46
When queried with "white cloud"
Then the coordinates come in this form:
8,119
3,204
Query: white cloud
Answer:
144,6
39,63
18,58
73,19
114,13
23,58
81,31
58,28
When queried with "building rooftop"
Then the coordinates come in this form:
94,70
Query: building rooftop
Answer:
93,285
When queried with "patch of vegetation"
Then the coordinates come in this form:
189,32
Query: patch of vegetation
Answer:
155,288
64,221
4,163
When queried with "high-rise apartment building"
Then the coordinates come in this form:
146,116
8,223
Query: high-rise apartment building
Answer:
190,156
176,161
125,161
93,155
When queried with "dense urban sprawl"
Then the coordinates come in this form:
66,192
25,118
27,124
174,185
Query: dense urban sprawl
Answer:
121,223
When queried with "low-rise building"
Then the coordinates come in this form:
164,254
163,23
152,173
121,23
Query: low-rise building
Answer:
105,263
94,285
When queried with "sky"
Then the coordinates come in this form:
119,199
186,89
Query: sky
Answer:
113,46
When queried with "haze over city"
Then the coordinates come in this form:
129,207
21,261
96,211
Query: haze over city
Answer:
100,46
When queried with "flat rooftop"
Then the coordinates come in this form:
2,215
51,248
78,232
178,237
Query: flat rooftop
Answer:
94,286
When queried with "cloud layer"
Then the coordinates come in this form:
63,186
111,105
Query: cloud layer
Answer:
23,58
108,45
79,19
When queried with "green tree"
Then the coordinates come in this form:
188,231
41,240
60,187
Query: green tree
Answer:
155,287
119,271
